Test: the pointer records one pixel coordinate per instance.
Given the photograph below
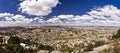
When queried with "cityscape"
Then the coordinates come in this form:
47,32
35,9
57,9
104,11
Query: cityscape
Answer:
59,26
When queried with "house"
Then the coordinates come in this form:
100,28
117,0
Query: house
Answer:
25,46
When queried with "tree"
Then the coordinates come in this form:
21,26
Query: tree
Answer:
89,47
27,41
117,35
14,40
14,48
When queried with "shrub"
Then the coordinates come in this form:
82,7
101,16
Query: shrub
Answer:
99,43
108,50
65,48
45,47
116,48
89,47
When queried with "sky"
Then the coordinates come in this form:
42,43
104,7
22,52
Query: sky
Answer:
60,12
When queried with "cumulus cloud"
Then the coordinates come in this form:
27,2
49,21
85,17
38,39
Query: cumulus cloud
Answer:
37,7
108,15
39,20
13,20
54,20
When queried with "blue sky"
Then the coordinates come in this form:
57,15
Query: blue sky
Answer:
75,7
60,12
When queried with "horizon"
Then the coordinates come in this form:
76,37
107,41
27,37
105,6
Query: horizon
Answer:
57,26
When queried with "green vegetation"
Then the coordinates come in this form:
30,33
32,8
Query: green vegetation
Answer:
106,50
14,48
116,48
13,45
14,40
17,40
65,48
45,47
117,35
116,39
99,43
25,41
79,46
89,47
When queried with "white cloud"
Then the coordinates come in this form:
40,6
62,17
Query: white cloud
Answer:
65,16
107,11
54,20
5,15
13,20
39,20
38,7
81,18
108,15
